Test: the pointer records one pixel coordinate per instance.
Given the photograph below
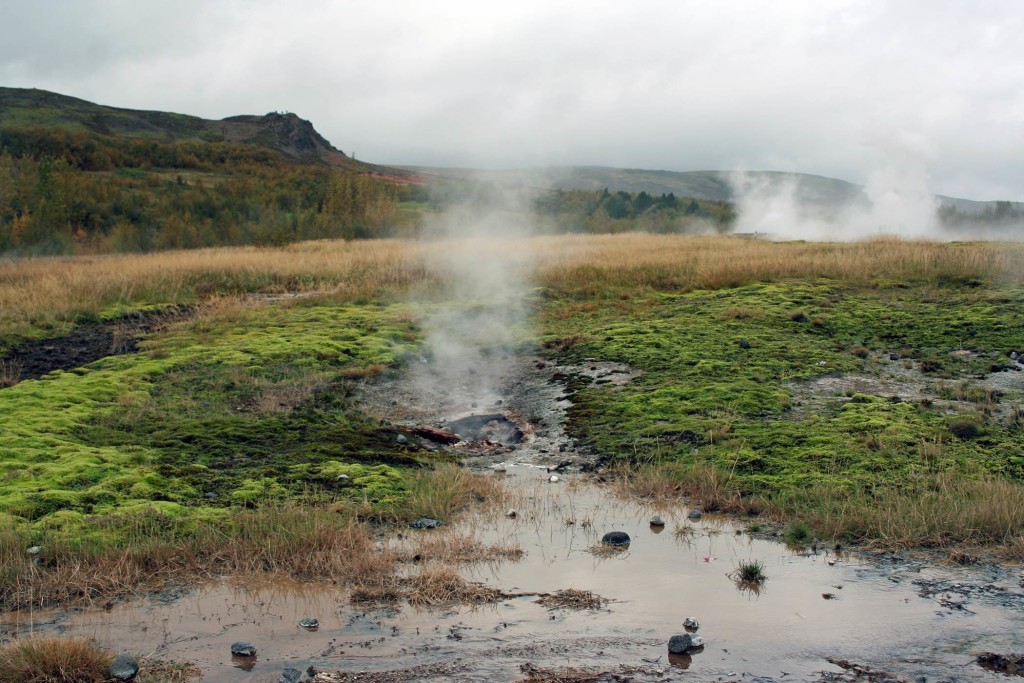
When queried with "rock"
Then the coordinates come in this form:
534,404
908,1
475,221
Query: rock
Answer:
124,668
511,514
498,469
310,623
296,676
436,435
694,514
616,538
744,344
402,439
342,478
690,624
243,649
426,523
1013,355
553,479
210,495
894,356
657,521
35,550
680,644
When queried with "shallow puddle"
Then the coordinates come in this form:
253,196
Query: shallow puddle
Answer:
877,616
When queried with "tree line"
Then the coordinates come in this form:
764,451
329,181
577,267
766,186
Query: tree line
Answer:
602,211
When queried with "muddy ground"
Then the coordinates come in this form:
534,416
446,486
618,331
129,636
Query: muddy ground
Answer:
88,342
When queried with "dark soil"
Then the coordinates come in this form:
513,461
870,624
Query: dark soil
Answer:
1012,665
90,342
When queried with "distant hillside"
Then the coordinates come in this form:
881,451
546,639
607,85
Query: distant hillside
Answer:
706,185
294,138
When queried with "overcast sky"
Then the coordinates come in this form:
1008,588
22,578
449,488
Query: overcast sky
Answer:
835,87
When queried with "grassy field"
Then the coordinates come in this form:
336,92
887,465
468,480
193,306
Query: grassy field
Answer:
231,426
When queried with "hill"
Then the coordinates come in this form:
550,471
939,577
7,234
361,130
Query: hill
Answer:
294,138
82,177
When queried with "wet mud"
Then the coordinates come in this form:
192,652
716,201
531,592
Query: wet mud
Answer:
87,343
886,617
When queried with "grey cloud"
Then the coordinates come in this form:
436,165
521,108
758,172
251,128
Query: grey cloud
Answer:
808,85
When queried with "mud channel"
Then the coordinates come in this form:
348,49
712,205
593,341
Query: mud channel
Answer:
889,613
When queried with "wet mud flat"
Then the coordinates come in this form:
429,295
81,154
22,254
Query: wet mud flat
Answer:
818,616
893,614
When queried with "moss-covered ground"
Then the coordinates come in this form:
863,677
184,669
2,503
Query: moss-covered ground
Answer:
719,369
247,403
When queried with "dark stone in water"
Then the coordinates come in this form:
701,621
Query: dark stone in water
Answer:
493,427
426,523
243,649
616,538
694,514
683,643
295,676
310,623
124,668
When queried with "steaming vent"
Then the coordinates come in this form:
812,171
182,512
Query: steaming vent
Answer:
495,428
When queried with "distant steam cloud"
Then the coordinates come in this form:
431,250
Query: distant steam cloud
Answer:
895,200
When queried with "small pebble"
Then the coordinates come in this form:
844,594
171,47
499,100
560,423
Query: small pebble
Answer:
511,514
694,514
243,649
553,478
310,623
657,521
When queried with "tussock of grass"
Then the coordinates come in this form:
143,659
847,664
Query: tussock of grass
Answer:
438,584
701,484
572,598
750,572
53,660
441,492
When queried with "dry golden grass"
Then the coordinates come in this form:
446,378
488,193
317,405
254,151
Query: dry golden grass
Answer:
572,598
53,660
298,539
442,492
439,584
699,484
293,539
461,549
42,290
938,511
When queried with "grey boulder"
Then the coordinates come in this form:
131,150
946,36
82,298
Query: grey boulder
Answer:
124,668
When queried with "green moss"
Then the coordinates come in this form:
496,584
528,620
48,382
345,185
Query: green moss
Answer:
697,377
248,407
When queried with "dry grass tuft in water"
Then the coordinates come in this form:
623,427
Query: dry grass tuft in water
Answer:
441,585
455,549
53,660
442,492
572,598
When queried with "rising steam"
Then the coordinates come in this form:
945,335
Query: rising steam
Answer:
478,251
